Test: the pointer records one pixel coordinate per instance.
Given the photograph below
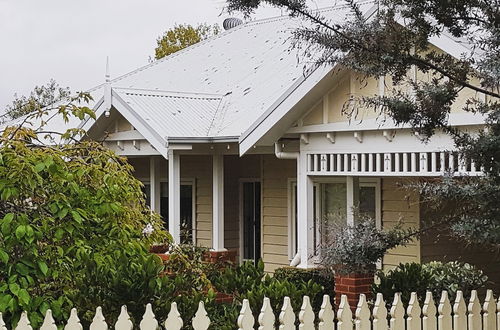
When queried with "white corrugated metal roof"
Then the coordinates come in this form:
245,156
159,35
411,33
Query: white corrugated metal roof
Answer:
251,65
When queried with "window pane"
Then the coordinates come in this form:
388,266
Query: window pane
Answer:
334,202
186,213
146,190
367,203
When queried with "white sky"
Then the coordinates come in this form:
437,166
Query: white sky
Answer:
68,40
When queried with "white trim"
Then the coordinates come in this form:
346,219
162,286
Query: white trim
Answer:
218,202
291,217
174,201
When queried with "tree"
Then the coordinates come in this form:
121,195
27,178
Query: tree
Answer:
41,97
392,42
182,36
71,226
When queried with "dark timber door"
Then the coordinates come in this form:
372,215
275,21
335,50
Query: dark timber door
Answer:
251,220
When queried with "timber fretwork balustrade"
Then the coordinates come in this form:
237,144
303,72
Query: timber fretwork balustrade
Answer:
443,315
434,163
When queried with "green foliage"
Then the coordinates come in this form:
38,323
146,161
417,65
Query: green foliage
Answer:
40,97
453,276
240,279
71,218
182,36
323,277
406,278
433,276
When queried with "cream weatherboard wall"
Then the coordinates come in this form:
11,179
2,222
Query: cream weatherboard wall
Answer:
275,212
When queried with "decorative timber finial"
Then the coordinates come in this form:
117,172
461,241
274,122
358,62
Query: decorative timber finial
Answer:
107,90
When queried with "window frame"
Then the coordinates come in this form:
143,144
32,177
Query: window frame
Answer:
184,182
317,181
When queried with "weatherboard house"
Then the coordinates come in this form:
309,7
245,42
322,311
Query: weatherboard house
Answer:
240,143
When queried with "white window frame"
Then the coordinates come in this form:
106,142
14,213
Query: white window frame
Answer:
317,181
184,182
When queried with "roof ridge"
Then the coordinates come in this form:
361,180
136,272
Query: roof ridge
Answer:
223,33
179,94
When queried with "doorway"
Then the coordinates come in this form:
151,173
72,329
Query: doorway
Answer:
250,223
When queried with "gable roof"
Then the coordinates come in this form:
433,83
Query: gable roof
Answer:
221,86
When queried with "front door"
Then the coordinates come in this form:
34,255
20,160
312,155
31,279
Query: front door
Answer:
250,217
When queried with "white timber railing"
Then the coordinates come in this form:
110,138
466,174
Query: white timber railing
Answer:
391,164
461,315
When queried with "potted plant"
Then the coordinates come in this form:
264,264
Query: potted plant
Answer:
352,252
159,248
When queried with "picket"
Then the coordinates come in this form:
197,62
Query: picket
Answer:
445,319
287,316
362,314
326,315
124,322
98,322
380,314
344,314
246,320
174,320
24,322
48,322
73,321
148,321
201,321
459,313
306,315
397,321
489,309
413,320
266,316
474,315
2,323
461,316
429,311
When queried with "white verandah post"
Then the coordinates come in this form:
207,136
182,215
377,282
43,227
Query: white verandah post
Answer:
174,196
352,199
218,203
305,213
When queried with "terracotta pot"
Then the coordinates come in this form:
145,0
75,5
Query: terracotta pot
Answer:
159,248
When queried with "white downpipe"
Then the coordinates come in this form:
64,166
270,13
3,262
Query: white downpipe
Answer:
280,154
296,260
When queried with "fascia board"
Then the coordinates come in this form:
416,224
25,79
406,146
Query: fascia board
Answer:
131,116
260,127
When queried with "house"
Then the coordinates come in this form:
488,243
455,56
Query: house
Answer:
242,145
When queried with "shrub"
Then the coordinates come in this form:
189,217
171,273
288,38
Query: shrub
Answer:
356,249
453,276
434,276
319,276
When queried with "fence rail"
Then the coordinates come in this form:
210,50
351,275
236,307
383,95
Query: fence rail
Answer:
461,315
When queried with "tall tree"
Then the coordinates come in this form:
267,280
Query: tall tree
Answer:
39,98
182,36
395,39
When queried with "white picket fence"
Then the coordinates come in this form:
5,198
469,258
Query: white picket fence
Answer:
461,315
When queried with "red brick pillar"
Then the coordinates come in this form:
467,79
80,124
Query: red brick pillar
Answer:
352,285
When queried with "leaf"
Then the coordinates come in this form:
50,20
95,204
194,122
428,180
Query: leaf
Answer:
43,267
14,288
39,167
4,257
20,231
24,296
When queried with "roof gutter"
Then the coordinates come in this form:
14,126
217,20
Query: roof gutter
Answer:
201,139
280,154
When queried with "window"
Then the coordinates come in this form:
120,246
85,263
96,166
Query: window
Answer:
330,205
187,207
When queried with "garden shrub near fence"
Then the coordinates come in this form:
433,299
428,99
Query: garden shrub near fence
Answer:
443,315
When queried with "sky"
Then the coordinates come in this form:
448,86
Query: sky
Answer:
69,40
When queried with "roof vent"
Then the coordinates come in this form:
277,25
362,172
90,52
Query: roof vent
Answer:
231,22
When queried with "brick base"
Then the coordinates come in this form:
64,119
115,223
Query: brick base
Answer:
221,256
352,285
